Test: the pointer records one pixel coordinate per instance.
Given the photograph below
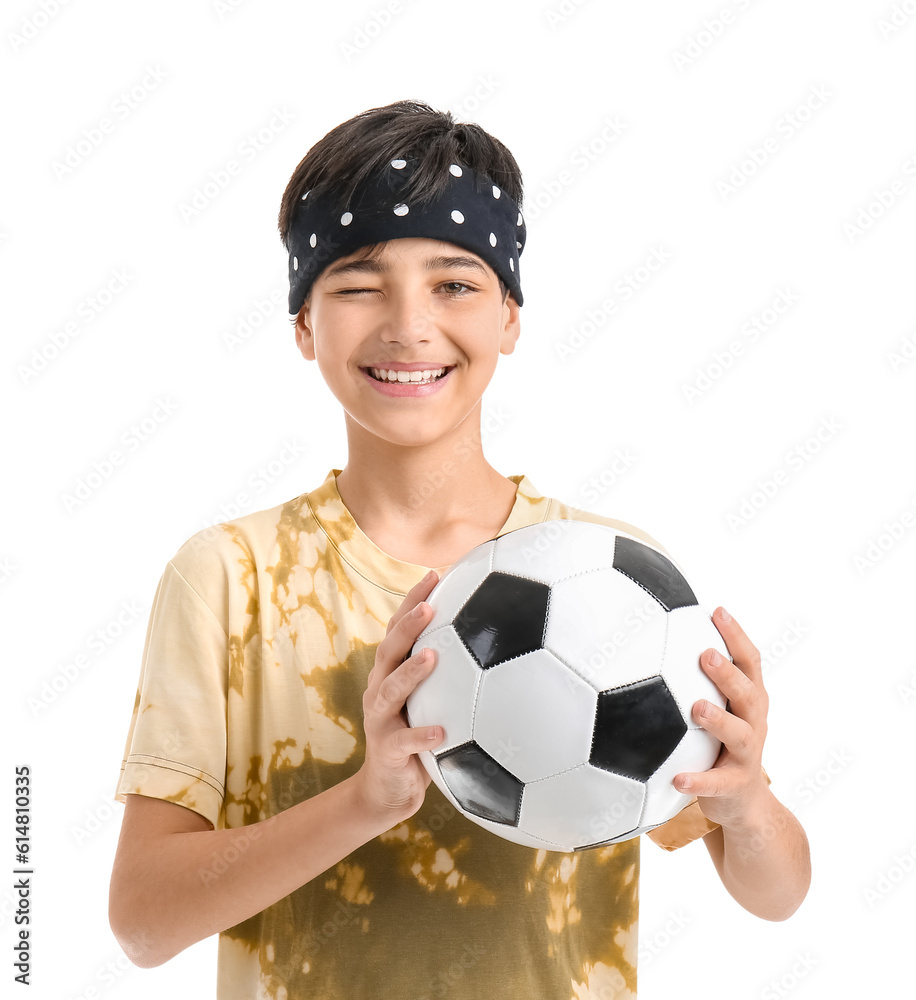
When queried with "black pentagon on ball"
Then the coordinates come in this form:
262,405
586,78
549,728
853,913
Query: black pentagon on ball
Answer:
636,728
482,786
655,573
504,618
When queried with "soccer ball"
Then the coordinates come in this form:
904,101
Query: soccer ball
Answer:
568,665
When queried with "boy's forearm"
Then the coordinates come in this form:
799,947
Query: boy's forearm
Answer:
764,862
194,884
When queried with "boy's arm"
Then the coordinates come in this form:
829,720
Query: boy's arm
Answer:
176,880
764,863
760,851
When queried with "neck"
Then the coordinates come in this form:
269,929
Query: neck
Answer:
425,504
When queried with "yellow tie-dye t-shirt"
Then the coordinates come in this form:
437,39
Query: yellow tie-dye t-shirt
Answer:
262,633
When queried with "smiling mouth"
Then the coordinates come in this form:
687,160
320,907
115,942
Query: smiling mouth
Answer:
426,377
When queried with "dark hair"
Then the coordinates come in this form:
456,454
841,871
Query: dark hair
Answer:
339,163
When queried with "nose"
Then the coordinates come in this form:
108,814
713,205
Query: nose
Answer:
409,318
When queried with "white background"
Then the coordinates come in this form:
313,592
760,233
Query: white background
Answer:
636,126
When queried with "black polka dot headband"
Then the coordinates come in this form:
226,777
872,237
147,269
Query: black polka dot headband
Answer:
472,213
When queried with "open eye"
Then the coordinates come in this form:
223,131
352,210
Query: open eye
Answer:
466,288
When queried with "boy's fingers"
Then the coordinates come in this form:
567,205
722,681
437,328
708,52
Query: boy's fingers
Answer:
740,648
399,641
742,680
745,699
395,647
706,784
402,631
419,592
409,741
397,687
737,736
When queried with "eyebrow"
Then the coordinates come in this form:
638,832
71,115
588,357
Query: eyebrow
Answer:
371,266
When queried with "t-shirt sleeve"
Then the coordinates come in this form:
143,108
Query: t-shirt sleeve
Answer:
176,743
688,825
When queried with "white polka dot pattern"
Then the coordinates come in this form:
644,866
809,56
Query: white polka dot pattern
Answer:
468,210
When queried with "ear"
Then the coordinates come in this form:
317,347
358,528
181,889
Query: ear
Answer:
304,339
511,325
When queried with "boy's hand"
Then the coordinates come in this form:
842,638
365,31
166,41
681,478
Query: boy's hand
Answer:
394,780
732,790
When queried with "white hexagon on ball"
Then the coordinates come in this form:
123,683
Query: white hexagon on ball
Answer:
534,716
562,547
696,752
592,627
582,806
690,632
445,697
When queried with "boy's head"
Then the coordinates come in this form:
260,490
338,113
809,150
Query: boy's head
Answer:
351,167
406,322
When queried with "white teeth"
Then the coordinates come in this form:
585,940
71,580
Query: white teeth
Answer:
421,377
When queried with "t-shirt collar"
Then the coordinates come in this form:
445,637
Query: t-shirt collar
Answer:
358,549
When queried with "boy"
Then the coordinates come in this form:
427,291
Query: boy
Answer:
272,788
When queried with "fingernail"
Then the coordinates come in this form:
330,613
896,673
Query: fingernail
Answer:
714,659
418,610
726,617
685,783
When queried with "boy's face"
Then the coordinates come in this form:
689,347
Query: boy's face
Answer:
428,311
